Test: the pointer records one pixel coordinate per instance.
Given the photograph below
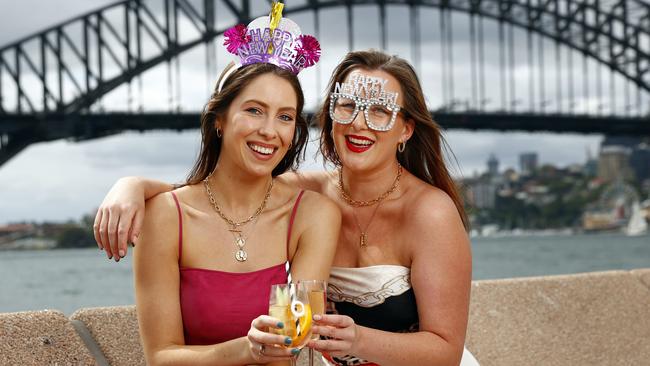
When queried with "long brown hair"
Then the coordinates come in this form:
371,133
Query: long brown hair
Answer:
218,105
423,155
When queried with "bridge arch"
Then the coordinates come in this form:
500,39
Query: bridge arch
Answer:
614,33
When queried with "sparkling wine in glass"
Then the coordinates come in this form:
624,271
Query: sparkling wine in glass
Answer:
317,290
289,303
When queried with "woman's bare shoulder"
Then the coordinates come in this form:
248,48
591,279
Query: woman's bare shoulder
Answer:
161,221
437,229
317,209
161,206
430,206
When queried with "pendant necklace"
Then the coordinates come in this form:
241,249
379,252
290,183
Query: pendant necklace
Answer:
363,236
236,227
240,241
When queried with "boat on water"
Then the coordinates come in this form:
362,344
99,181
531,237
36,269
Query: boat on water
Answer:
637,225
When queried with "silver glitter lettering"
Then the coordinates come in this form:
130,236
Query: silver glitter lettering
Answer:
369,87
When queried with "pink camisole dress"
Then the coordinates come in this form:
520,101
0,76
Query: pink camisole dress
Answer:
218,306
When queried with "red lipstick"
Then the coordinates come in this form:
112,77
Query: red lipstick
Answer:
357,148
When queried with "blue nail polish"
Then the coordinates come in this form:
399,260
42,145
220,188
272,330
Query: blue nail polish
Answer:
280,325
295,351
287,341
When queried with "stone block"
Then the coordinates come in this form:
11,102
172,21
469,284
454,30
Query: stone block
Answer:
600,318
41,338
115,331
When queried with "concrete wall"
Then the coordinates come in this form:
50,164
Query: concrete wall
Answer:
600,318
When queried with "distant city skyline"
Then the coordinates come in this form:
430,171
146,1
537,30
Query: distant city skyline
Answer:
63,180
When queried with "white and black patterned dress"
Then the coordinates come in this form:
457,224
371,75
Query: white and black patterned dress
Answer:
378,297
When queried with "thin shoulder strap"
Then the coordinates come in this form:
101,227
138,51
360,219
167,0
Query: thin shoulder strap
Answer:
292,218
180,227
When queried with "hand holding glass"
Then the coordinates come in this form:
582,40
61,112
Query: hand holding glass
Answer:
289,303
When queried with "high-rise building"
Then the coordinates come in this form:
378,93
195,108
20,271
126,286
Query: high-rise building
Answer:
640,161
528,163
591,165
613,163
493,166
638,156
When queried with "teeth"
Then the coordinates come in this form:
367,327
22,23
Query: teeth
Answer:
261,150
359,141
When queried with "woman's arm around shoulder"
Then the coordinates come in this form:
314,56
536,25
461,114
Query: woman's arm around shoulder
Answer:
119,217
318,220
315,181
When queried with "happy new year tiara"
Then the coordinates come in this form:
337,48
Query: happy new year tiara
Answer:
275,40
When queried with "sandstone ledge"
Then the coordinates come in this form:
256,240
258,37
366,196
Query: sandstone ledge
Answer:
598,318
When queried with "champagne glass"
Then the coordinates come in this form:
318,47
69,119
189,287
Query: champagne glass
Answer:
289,303
317,290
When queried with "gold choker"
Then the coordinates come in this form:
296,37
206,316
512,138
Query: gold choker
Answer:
355,203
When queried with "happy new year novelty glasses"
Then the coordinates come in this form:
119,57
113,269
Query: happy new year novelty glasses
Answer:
380,115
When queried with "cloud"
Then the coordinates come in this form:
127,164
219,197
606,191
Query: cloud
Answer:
25,17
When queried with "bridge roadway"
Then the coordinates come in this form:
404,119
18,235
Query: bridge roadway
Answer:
19,131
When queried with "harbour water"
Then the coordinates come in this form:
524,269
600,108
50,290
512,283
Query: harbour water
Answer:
70,279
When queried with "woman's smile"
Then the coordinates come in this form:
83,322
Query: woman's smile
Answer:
261,150
358,144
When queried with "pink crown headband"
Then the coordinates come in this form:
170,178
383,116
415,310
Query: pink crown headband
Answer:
275,40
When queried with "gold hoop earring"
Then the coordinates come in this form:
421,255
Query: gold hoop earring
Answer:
401,147
219,132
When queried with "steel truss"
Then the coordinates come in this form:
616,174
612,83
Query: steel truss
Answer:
615,33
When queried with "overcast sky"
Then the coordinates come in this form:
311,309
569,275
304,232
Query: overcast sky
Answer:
62,180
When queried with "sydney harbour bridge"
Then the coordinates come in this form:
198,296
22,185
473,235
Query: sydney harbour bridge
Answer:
580,66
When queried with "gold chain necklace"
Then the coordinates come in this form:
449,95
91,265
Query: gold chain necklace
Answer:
355,203
363,233
239,239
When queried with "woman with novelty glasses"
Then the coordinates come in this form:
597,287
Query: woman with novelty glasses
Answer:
400,283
